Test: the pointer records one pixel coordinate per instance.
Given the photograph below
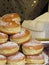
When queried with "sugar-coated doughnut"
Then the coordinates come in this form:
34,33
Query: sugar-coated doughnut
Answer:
9,27
8,48
3,37
21,37
2,60
32,47
17,59
13,16
37,59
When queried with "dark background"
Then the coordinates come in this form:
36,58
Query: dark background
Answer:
24,8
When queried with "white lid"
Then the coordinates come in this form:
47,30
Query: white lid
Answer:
43,18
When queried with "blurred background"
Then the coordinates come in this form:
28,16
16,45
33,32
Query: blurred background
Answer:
28,9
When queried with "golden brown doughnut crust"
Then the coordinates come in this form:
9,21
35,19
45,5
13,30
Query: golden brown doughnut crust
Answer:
9,27
9,45
35,59
8,23
16,57
3,37
21,37
32,44
3,60
11,16
9,48
32,47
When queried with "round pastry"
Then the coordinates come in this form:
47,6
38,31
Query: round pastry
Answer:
2,60
37,59
3,37
17,59
8,26
32,47
21,37
13,16
8,48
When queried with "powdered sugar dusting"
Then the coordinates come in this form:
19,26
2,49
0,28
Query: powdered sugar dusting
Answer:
40,56
16,20
20,33
19,55
1,56
2,34
8,44
32,43
2,23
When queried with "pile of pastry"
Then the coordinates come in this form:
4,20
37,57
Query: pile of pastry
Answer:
16,44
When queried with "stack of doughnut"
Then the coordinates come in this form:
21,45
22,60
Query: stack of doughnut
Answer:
14,37
33,51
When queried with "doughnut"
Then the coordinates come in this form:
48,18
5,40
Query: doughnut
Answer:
8,26
17,59
9,48
32,47
3,60
3,37
13,16
21,37
35,59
